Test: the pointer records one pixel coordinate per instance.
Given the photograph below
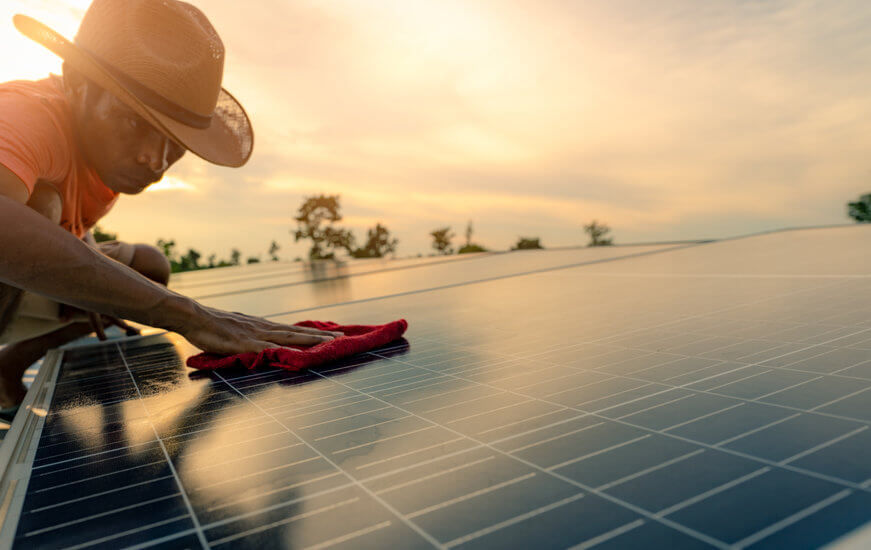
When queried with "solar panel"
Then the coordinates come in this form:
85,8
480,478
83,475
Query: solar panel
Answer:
321,285
712,396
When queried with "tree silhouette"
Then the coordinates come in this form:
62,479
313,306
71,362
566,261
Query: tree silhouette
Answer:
527,243
103,236
315,221
168,248
273,251
378,244
470,247
597,232
190,261
254,260
441,240
861,209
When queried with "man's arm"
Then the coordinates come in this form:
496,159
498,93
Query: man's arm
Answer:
41,257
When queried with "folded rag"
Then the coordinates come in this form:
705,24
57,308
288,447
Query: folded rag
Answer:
356,339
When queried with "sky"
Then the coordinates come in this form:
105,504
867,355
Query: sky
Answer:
666,120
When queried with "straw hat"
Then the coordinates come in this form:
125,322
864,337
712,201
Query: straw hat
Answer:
165,60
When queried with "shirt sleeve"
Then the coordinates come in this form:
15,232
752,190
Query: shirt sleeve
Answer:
30,139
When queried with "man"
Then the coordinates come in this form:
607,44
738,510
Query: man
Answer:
141,85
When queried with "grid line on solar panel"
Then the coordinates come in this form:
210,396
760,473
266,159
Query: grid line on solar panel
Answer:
95,516
94,495
415,451
786,522
806,472
100,453
470,282
822,445
133,531
648,470
296,517
232,502
392,510
184,285
758,399
662,432
182,491
97,476
718,489
666,521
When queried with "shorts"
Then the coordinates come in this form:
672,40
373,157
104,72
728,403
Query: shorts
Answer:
38,315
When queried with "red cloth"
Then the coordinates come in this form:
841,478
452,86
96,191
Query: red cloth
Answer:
357,339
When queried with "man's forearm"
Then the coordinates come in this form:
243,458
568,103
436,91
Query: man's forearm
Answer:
41,257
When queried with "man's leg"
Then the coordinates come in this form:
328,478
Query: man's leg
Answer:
10,298
17,357
150,262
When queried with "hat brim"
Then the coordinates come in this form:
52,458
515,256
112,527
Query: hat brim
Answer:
228,141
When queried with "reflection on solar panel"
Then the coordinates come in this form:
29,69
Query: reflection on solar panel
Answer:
709,396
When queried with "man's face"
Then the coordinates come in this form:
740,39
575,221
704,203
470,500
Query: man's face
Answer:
127,152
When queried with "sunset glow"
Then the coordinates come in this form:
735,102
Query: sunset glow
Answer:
667,120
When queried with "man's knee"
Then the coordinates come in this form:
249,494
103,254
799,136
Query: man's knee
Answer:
151,262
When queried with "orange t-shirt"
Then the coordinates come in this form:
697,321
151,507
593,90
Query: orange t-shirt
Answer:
38,145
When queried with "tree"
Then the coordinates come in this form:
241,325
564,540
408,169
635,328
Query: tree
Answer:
861,209
273,251
168,248
315,221
103,236
213,260
470,247
235,256
527,243
378,244
441,240
597,233
190,261
254,260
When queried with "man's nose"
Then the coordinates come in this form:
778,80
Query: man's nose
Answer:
154,153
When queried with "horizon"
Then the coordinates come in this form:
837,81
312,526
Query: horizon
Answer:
674,121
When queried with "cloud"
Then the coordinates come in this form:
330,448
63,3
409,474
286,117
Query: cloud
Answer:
655,117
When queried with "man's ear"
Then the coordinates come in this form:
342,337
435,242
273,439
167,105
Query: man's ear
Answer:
75,85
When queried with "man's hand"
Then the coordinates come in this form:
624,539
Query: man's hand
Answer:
98,322
225,332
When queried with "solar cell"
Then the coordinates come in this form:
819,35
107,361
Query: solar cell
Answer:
672,400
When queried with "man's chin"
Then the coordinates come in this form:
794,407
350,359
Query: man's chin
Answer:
126,186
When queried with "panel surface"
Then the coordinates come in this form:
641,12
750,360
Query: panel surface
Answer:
673,400
325,284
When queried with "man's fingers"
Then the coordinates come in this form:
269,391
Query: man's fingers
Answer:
285,338
120,323
97,325
309,330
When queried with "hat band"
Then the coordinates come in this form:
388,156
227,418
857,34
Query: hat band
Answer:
153,99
